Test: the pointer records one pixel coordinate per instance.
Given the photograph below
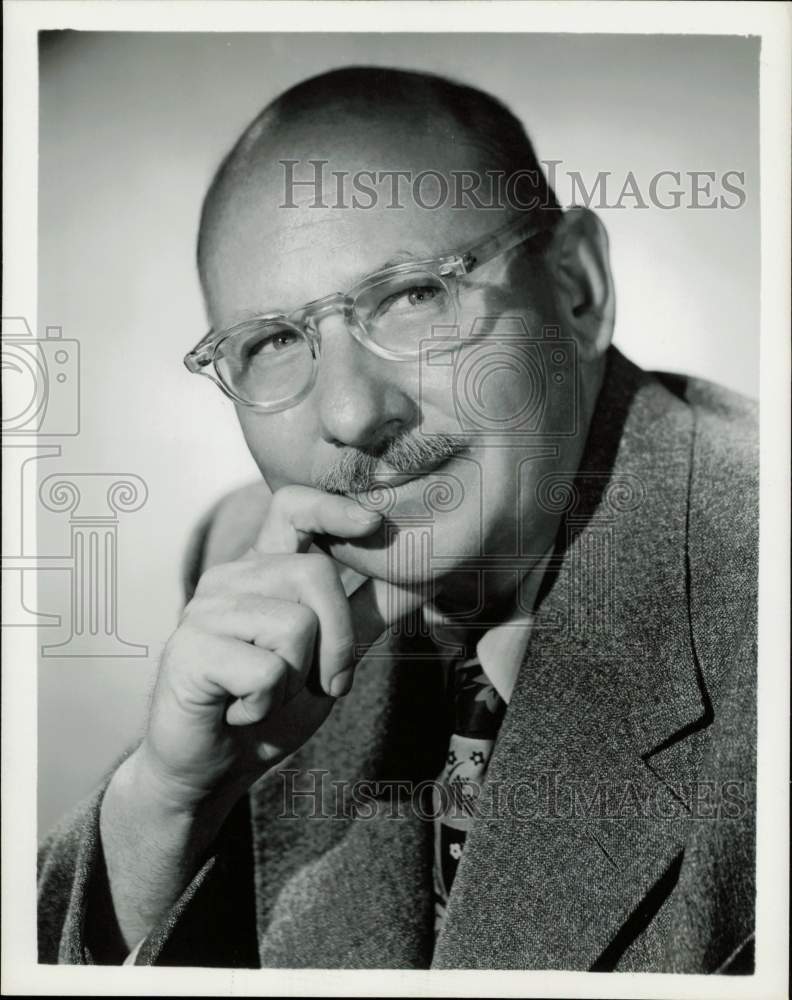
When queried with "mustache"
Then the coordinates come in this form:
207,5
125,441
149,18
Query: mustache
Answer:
360,469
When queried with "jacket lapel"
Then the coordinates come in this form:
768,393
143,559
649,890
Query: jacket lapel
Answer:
581,825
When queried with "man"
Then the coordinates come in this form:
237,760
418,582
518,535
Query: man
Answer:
490,558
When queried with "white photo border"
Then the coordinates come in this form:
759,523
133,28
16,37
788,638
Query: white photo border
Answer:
20,971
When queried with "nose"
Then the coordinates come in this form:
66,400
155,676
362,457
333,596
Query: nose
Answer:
360,398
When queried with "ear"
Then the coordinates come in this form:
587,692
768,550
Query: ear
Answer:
580,265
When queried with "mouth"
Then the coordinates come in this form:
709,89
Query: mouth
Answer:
399,481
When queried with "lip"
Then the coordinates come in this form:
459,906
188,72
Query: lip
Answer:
401,481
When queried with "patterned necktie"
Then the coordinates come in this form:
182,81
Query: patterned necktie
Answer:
477,713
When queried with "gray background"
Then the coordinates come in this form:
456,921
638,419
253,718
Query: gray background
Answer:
131,128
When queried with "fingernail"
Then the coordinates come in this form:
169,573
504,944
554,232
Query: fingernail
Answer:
362,516
341,684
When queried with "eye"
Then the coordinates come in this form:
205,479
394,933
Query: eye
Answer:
407,299
269,344
420,295
286,338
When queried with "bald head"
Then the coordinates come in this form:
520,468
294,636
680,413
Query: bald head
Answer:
365,116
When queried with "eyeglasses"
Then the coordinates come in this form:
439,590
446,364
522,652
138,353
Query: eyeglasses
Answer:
270,362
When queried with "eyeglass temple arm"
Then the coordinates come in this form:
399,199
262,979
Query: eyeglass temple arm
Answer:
505,239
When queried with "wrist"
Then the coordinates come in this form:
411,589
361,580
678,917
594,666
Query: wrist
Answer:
149,832
163,801
153,846
158,791
138,809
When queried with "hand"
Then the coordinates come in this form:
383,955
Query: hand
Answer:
263,650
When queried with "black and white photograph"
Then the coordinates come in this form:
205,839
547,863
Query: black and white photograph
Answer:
391,392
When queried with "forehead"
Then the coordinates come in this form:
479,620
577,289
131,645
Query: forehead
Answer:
313,209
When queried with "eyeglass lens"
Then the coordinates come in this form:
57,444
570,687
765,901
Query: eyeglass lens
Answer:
271,362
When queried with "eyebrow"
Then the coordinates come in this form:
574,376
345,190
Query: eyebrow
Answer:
399,257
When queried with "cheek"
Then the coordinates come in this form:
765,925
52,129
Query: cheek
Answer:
498,386
280,445
435,391
501,377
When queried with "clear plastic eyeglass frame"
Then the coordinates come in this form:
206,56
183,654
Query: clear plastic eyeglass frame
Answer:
448,268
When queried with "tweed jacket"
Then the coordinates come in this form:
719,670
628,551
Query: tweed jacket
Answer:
624,772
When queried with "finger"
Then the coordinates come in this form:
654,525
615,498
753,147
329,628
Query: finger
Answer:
235,670
318,585
296,513
313,581
371,619
283,627
255,706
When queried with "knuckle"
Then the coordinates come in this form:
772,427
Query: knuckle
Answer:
287,620
273,667
215,578
251,603
255,560
304,619
278,619
195,612
258,573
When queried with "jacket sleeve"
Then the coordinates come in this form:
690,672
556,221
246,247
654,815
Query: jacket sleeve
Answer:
213,923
